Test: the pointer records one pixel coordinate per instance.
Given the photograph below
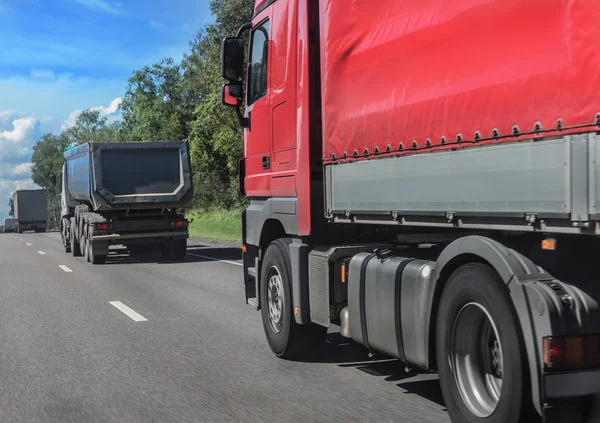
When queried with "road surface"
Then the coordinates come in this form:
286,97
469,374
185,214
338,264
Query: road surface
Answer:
135,341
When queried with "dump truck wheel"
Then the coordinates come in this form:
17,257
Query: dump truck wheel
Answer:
179,250
75,250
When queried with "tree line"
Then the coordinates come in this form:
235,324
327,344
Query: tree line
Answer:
168,101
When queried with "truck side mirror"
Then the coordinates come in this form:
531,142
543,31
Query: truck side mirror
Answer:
53,180
231,95
232,60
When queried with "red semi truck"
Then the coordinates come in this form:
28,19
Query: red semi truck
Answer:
426,175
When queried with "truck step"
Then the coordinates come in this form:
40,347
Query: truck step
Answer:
252,272
253,302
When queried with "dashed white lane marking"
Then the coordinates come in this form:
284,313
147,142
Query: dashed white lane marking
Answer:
21,239
41,253
29,243
216,259
65,268
135,316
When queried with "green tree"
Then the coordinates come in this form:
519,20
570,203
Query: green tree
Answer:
153,106
47,160
215,136
91,127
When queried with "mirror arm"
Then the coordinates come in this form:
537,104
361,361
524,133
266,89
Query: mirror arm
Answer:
244,121
243,28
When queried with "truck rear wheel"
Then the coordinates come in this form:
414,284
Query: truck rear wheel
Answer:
179,249
75,250
64,234
91,257
286,338
175,250
479,350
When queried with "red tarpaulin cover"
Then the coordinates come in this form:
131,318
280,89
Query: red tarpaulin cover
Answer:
402,70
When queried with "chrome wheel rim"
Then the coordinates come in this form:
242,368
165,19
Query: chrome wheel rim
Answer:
275,299
476,359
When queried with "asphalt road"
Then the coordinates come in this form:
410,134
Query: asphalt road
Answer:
135,341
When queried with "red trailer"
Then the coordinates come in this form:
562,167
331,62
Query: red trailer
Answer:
426,175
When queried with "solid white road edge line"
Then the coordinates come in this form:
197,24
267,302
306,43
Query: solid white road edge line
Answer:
41,253
215,259
129,312
65,268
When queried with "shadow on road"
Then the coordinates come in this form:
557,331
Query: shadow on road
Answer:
428,389
120,255
347,354
220,253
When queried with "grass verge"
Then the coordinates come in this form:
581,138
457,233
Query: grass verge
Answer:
217,225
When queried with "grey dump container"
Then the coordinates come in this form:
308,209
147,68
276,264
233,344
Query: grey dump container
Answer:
130,175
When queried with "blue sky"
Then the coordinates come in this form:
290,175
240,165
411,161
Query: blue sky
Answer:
58,57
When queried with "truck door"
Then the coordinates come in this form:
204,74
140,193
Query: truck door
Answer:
258,134
283,86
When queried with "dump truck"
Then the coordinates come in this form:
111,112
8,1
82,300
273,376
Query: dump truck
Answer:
9,225
30,210
130,194
426,176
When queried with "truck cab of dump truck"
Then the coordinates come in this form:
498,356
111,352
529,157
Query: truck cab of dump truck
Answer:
363,214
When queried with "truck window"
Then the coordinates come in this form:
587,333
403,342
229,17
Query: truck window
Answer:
259,53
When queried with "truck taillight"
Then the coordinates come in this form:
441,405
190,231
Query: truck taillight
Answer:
101,226
181,223
578,352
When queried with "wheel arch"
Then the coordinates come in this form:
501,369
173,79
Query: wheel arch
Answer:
513,269
266,220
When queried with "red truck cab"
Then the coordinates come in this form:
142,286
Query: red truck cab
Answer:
412,169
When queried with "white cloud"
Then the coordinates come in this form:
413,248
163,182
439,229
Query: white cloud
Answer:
17,137
157,24
42,74
71,120
102,6
21,170
109,111
22,128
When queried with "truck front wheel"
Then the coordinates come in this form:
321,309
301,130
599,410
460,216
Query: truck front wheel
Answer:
286,338
479,349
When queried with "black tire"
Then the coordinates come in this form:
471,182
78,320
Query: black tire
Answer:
63,234
475,293
82,245
179,250
75,250
291,341
92,258
83,237
88,249
174,250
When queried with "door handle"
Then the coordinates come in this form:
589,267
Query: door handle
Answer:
266,162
